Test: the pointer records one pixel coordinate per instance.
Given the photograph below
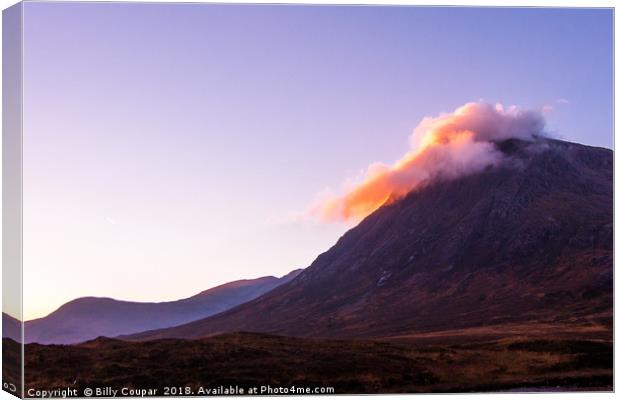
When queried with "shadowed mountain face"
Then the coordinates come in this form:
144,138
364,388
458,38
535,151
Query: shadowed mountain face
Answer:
526,241
90,317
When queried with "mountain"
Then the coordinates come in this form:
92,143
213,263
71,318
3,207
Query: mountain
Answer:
90,317
11,328
526,241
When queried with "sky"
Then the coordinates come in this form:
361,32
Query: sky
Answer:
168,148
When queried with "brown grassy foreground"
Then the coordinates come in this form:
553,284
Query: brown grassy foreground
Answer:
351,366
11,366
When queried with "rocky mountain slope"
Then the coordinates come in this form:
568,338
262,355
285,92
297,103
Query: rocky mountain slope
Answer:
528,240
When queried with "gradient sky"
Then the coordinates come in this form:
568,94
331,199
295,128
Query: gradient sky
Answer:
165,145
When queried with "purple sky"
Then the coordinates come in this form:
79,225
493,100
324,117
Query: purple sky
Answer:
166,144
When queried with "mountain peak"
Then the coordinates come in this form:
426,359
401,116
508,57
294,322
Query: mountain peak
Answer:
526,238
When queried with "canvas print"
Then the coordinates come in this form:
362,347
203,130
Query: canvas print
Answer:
235,199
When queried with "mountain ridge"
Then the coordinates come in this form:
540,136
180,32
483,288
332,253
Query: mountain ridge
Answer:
89,317
527,239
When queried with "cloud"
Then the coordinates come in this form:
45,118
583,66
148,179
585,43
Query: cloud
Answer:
547,109
448,146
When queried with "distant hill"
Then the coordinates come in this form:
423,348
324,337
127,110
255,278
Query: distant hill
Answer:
529,240
11,328
90,317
